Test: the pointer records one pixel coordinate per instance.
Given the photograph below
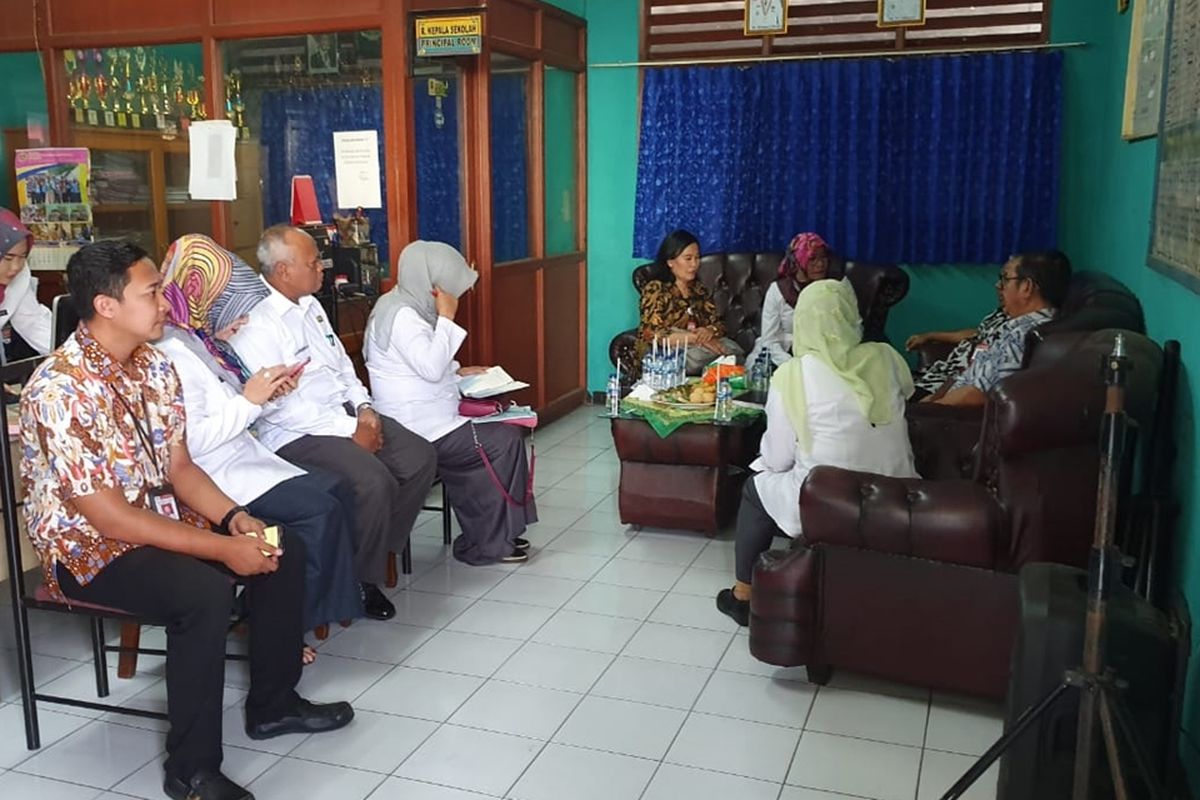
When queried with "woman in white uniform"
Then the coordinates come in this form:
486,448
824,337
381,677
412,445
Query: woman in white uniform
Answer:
20,311
409,347
209,291
838,402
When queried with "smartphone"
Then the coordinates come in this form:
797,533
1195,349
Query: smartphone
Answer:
299,368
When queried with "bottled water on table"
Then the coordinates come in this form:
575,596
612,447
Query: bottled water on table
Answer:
723,411
614,395
760,372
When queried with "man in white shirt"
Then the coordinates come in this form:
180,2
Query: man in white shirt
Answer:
328,422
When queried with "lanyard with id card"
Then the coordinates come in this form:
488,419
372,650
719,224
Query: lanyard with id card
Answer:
161,495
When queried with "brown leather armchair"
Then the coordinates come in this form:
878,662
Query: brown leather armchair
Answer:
944,438
915,580
739,282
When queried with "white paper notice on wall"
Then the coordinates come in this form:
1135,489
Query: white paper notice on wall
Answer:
356,165
213,165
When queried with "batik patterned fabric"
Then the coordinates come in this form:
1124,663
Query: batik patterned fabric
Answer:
1000,355
208,289
664,310
942,370
78,438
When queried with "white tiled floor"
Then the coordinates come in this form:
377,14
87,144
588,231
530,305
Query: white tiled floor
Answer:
600,669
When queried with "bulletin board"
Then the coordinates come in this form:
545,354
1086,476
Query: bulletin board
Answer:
1144,70
1175,226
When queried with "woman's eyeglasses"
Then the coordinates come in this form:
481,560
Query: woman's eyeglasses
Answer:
13,258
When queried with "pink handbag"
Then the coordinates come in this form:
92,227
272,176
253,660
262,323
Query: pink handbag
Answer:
469,407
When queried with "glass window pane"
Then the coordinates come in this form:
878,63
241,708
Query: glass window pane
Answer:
151,88
510,157
562,140
437,87
288,95
22,113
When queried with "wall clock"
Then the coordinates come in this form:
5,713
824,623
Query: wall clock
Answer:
901,13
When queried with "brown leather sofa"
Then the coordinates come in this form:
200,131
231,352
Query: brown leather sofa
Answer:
739,282
944,438
915,580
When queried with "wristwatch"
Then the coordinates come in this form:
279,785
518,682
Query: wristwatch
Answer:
361,406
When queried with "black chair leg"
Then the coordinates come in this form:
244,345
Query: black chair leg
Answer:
446,532
33,736
99,657
406,558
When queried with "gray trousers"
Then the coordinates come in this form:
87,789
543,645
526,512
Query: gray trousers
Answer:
389,488
490,523
700,357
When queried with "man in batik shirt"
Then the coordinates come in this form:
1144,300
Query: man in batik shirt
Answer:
119,515
1031,287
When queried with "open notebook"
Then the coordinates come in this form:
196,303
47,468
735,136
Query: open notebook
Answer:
489,384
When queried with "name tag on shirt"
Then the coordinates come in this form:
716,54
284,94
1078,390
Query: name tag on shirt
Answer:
162,500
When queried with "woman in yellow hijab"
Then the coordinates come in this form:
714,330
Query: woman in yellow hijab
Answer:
839,402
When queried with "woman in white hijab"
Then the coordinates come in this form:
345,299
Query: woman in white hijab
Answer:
410,344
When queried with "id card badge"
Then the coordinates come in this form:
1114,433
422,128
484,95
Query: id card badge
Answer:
162,500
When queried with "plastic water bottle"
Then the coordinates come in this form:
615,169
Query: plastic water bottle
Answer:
614,396
760,372
724,408
647,369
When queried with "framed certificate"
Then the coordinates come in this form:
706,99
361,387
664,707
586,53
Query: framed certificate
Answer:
901,13
765,17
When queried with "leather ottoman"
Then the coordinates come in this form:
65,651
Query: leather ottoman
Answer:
692,479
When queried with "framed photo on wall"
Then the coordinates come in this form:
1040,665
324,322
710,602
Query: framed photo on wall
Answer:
322,54
901,13
765,17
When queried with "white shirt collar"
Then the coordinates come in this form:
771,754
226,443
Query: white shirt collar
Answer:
282,305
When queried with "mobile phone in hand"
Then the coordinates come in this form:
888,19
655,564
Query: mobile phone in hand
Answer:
299,368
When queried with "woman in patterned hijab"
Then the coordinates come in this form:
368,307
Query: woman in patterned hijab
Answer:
806,260
210,290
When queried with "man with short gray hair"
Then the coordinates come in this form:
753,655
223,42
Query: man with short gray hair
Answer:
328,422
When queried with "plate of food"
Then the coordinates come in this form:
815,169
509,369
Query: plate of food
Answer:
694,395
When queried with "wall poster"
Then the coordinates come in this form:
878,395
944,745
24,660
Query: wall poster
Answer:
1175,226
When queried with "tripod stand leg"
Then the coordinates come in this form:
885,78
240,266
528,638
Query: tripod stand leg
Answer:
1125,725
1120,786
986,760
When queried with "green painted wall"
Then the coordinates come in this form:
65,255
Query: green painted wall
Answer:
23,95
1108,186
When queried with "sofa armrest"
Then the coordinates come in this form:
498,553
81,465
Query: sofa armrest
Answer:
929,352
954,521
622,347
943,439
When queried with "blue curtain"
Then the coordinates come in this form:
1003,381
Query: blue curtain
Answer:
510,168
439,200
297,137
915,160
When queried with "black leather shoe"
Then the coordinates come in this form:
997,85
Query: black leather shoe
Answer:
737,610
520,543
517,556
305,717
375,604
206,784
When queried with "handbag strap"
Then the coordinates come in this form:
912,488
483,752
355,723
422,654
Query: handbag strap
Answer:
487,464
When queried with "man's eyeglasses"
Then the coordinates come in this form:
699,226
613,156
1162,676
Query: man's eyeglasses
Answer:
1002,279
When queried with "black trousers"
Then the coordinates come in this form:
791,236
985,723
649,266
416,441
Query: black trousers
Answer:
192,599
754,532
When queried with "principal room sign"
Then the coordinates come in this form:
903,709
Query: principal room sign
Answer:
450,36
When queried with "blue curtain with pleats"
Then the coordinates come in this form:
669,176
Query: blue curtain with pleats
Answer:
439,196
950,159
297,139
510,167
